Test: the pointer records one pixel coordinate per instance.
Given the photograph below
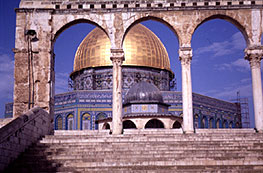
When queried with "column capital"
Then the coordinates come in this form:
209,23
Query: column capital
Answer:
117,55
254,55
185,55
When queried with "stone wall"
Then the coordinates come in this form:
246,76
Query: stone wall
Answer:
21,133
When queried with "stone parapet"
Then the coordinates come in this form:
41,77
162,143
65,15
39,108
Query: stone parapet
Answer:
136,4
22,132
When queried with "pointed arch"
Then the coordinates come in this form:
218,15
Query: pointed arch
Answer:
86,121
227,18
197,121
204,123
211,123
225,124
100,116
218,123
59,122
68,24
70,122
231,124
150,17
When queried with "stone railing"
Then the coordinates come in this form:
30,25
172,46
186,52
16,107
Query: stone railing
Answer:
138,4
22,132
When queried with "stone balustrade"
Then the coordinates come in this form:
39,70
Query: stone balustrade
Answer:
22,132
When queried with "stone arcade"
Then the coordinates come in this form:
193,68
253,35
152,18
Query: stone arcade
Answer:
206,150
49,18
146,60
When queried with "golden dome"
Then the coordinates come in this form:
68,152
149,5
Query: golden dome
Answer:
141,47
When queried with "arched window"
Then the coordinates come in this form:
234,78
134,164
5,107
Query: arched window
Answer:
177,125
218,123
231,125
85,121
128,124
211,122
59,123
225,124
154,123
101,116
196,121
204,122
70,122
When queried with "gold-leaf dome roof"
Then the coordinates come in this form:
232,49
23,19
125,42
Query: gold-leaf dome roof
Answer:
141,47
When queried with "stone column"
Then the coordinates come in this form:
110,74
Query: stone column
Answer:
185,56
254,56
117,57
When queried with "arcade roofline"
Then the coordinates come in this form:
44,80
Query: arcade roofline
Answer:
135,5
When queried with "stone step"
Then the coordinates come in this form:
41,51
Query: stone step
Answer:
148,169
154,150
149,149
145,139
60,151
159,138
150,157
156,131
148,146
174,161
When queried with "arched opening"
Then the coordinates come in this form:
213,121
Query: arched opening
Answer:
219,69
177,125
226,18
86,123
106,126
59,123
65,45
225,124
70,122
237,125
154,124
231,125
204,122
211,123
154,49
128,124
218,124
100,116
197,124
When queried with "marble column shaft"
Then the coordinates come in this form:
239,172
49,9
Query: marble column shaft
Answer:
254,56
185,56
117,57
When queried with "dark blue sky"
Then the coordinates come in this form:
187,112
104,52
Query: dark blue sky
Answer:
218,66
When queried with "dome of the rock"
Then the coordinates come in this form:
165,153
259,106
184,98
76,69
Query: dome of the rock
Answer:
141,46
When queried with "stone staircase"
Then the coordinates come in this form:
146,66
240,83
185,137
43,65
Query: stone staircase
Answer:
155,150
5,121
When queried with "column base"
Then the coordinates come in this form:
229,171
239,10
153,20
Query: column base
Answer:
258,131
117,132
